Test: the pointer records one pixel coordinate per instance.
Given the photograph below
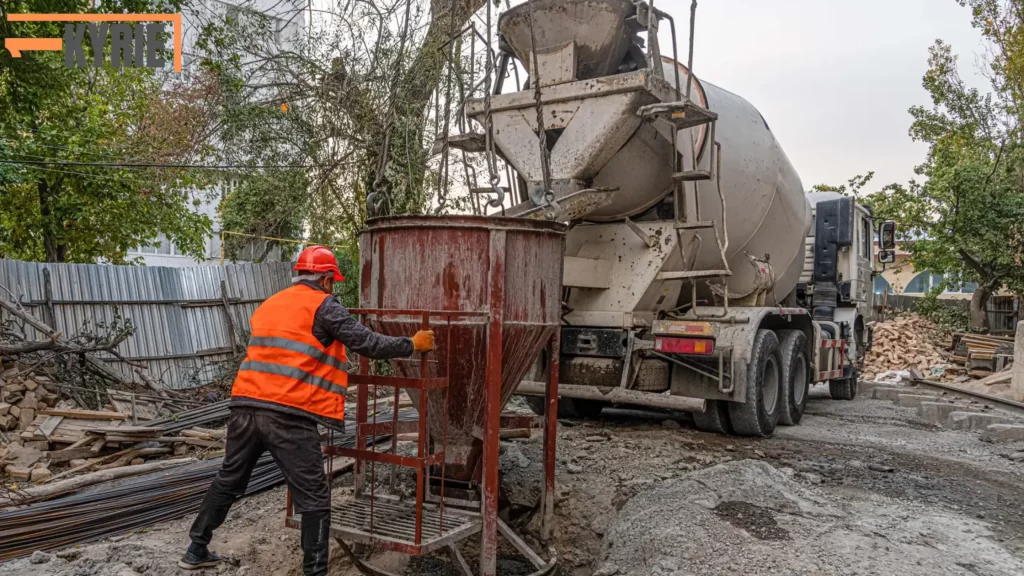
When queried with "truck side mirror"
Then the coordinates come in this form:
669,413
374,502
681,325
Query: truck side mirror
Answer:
887,236
886,256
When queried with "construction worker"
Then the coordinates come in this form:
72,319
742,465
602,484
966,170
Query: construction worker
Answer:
293,377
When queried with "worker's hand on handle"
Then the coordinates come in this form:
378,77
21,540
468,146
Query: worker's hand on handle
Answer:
423,341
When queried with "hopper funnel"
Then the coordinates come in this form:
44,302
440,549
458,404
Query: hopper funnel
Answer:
508,271
598,28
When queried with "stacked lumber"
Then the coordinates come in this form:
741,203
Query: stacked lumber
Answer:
903,343
982,354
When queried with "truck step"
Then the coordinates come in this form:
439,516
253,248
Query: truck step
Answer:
692,176
702,224
690,274
684,114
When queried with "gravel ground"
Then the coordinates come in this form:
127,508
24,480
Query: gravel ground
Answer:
859,487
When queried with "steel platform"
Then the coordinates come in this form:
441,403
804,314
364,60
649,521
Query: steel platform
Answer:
394,524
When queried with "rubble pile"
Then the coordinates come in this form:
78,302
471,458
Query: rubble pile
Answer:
48,435
910,347
906,342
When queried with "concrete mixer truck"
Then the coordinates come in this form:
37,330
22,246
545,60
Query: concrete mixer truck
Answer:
696,274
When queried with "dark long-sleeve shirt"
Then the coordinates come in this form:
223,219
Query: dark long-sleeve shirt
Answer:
331,323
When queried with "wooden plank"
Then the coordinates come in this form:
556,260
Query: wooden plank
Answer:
83,442
161,439
128,430
85,414
204,443
49,425
69,454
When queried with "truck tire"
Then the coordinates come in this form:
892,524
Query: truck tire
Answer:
845,389
795,376
714,418
588,409
571,408
759,415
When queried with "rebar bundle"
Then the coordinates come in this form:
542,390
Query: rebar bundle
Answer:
97,513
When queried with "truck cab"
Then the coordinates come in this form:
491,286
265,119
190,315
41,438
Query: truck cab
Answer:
855,263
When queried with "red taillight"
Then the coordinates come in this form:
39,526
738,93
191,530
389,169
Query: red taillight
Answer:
685,345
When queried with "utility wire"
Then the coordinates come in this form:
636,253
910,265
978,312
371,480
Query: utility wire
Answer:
52,147
119,165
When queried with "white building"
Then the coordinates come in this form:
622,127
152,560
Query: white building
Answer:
288,19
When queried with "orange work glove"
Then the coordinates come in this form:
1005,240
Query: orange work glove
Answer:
423,341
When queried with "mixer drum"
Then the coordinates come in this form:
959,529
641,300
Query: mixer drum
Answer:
767,212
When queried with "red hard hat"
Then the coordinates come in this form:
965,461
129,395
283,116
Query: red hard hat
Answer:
318,259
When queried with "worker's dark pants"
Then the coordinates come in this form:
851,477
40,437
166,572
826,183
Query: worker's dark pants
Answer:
294,443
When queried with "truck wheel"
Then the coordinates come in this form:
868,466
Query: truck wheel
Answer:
795,383
714,418
760,413
572,408
588,409
845,389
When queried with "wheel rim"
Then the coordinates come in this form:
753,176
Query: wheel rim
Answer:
770,386
799,383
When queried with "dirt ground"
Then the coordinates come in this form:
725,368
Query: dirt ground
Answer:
859,487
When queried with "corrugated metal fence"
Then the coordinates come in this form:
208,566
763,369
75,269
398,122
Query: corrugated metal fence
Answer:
185,319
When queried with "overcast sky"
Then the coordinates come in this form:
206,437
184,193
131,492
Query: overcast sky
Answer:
833,78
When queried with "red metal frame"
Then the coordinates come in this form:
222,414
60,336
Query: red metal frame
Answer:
492,422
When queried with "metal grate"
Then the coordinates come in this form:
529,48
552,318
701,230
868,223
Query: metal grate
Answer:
394,524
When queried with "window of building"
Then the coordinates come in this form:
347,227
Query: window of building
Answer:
882,285
923,282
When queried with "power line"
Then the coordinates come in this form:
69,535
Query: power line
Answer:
50,146
119,165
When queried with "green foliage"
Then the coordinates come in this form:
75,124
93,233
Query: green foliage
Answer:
948,315
965,218
360,92
852,187
59,212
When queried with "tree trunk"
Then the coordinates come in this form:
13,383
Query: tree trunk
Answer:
400,176
979,307
54,251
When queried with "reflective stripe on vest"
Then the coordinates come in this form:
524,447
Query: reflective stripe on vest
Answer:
292,345
285,364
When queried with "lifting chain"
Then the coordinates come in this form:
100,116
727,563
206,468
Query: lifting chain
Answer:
442,176
547,197
491,159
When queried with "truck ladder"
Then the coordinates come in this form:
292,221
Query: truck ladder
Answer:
685,115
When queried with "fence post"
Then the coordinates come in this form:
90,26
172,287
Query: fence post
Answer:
232,340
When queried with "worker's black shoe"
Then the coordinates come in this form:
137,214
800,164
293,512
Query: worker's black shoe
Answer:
199,557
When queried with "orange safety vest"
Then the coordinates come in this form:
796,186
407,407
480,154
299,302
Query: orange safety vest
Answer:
285,364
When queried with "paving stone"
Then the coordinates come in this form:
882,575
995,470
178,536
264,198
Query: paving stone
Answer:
912,400
887,392
973,420
1003,433
938,412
